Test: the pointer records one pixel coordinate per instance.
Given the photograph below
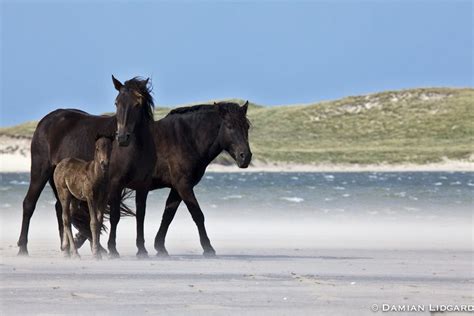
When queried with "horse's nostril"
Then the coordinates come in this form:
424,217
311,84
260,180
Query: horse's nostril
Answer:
123,138
242,155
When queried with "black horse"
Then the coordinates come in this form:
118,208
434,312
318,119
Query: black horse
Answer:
187,140
71,133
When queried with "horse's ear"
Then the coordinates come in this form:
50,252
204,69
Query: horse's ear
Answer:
245,107
117,84
145,83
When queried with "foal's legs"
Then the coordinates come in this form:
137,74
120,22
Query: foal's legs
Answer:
172,204
39,176
84,232
187,194
95,230
68,239
140,202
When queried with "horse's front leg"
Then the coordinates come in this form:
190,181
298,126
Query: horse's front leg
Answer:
140,203
95,229
187,194
172,203
114,202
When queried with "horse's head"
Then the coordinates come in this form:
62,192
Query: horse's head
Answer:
103,150
234,132
134,104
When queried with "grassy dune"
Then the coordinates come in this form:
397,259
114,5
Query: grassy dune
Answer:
416,126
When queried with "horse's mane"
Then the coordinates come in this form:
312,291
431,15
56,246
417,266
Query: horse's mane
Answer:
193,108
226,107
144,88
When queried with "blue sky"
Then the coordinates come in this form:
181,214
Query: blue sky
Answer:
58,54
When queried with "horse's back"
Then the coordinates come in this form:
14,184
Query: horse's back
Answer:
70,175
68,166
68,133
175,153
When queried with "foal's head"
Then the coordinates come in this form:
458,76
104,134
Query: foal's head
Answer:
134,107
103,150
234,132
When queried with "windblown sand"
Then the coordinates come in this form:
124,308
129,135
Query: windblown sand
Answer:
239,281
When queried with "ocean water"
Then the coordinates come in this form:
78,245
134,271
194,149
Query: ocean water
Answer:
357,209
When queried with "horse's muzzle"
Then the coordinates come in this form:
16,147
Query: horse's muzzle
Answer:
123,139
243,160
104,166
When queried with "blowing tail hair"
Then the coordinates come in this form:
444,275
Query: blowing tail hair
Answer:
81,219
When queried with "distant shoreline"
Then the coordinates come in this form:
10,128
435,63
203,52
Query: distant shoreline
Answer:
15,157
17,162
447,166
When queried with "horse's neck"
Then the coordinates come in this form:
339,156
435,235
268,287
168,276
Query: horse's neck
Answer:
143,133
205,137
96,174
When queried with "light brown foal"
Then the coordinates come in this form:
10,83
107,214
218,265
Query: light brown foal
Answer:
76,179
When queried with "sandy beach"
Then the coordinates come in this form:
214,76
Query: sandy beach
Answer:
261,268
244,282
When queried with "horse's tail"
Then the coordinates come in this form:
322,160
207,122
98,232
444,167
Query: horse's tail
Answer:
125,210
81,219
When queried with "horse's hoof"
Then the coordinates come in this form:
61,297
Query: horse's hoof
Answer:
114,254
142,254
210,253
103,251
23,252
163,253
75,256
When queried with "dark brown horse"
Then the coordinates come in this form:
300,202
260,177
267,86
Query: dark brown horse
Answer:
71,133
187,140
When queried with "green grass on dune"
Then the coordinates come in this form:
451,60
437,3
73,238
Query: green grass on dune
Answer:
419,126
416,126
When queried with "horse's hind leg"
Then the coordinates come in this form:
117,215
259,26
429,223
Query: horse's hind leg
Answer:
172,203
187,194
39,177
66,215
59,210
